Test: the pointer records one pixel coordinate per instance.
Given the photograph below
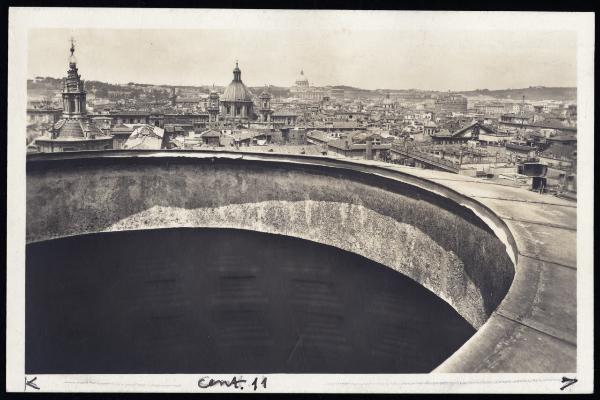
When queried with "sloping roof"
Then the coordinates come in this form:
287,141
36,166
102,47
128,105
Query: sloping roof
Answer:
319,135
68,128
563,138
145,137
146,143
210,133
551,124
361,136
129,112
121,129
481,127
466,130
519,147
44,110
285,113
346,144
76,129
559,150
244,135
442,133
338,125
518,115
188,100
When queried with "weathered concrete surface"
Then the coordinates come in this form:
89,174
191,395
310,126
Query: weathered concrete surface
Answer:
503,345
457,218
546,243
472,273
534,328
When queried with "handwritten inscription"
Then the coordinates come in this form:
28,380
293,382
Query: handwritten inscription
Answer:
31,383
234,383
567,382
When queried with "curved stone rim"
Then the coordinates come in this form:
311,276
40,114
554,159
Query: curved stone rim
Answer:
534,328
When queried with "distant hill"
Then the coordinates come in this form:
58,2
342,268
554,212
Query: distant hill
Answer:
350,89
532,93
49,86
276,91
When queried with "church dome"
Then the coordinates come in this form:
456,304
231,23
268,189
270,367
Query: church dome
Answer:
302,80
76,129
237,91
68,128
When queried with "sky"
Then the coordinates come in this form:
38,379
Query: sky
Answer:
371,59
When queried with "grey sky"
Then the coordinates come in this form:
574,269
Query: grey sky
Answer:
433,59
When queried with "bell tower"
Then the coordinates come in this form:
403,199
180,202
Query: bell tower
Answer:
74,104
213,105
265,106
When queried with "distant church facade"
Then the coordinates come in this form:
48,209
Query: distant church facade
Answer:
303,91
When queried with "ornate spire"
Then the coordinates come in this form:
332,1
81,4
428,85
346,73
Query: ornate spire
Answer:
237,74
72,59
213,93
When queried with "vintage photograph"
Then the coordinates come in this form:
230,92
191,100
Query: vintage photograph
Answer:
248,198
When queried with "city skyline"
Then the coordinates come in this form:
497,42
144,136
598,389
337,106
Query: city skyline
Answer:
425,60
190,213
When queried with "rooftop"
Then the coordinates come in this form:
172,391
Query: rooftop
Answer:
210,133
534,329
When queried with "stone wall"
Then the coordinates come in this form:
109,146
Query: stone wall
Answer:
428,237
